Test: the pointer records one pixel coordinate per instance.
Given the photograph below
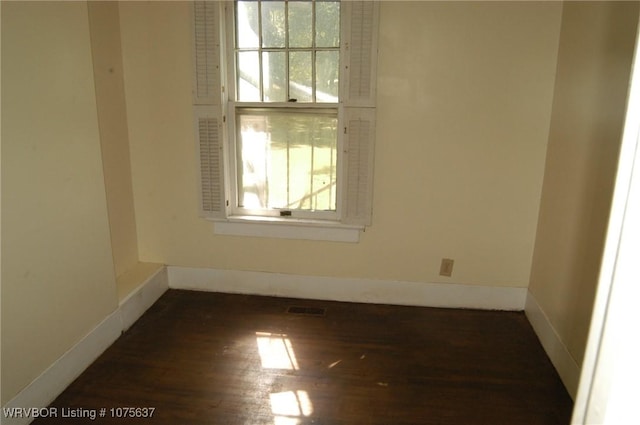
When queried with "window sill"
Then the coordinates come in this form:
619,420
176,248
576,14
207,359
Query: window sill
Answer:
288,228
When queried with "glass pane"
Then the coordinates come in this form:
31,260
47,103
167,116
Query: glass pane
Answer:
274,76
300,76
247,24
248,77
327,69
323,173
287,160
327,24
252,158
300,24
273,24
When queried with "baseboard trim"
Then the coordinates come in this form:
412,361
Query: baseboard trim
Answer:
139,301
562,360
46,387
348,289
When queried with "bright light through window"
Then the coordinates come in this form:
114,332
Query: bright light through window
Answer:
276,351
288,160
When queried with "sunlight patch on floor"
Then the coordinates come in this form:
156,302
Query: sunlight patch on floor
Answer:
289,406
276,351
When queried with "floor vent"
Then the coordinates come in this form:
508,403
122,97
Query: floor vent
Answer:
308,311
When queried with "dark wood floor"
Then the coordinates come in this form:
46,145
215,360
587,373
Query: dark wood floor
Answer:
205,358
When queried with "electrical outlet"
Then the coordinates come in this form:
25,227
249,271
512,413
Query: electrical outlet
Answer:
446,267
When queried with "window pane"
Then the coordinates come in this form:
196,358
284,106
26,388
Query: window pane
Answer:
300,24
274,75
300,76
248,77
327,69
327,24
247,24
273,24
288,160
252,158
323,184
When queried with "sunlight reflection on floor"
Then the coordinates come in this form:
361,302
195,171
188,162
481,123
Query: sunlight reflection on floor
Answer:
276,352
289,406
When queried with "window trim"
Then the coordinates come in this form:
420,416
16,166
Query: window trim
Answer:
291,228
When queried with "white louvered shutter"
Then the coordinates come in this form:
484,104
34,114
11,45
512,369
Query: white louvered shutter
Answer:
360,35
211,161
359,148
359,73
206,53
207,107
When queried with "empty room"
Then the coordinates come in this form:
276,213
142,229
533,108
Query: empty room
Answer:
314,212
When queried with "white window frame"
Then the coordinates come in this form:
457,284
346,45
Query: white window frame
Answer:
214,125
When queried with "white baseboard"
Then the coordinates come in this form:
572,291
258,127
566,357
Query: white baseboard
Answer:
46,387
139,301
562,360
349,290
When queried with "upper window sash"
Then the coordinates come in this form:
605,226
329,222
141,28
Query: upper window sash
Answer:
302,57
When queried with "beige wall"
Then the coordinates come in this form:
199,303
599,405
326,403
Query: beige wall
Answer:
1,399
595,53
57,270
464,97
104,25
464,93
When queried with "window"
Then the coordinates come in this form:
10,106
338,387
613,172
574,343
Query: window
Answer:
284,103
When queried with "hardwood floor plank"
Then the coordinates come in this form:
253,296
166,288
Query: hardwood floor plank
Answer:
206,358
